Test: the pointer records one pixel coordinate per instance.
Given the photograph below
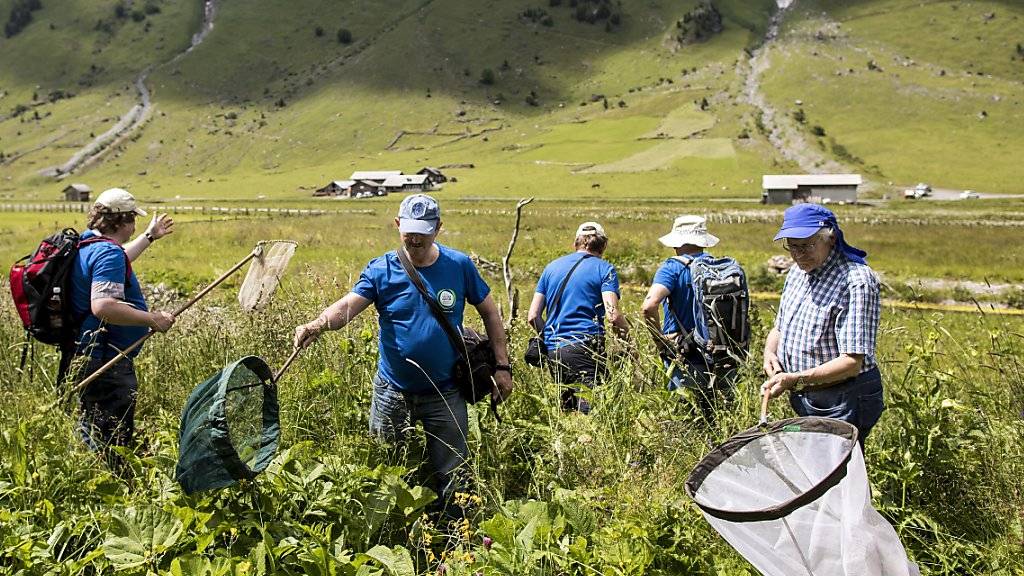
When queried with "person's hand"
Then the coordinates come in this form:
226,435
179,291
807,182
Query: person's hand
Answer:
306,334
778,384
161,225
161,321
772,366
502,386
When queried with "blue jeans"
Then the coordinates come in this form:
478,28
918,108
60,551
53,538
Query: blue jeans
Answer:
445,422
857,400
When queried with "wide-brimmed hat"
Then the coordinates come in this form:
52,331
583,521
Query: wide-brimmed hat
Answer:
418,214
118,201
689,229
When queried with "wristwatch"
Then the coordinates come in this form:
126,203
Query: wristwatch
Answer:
504,368
149,237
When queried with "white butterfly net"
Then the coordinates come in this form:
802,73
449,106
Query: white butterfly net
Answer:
794,500
265,273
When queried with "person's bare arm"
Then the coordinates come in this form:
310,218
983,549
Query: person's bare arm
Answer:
119,313
652,314
161,225
535,315
333,317
821,376
772,366
614,315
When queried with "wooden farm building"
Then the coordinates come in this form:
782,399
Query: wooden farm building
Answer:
821,188
366,189
433,174
335,188
77,193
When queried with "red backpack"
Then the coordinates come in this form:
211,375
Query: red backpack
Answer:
41,286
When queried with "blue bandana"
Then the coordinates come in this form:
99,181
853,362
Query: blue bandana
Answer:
804,220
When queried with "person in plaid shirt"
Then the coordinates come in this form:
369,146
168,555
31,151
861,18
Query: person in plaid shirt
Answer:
822,347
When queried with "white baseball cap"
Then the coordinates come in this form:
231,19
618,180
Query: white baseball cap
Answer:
588,228
688,229
119,201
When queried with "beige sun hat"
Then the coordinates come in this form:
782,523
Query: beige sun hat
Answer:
118,201
689,229
588,228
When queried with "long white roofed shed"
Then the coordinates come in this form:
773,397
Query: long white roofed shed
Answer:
378,176
789,188
407,182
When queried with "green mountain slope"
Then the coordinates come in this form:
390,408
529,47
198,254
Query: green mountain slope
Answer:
268,107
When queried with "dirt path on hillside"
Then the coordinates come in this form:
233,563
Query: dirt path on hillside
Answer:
782,131
132,121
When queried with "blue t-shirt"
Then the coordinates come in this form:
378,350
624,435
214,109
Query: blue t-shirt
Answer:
408,330
675,277
100,271
580,312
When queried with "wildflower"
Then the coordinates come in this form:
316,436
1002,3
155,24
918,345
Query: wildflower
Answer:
487,542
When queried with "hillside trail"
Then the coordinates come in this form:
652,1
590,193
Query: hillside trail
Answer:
783,132
137,115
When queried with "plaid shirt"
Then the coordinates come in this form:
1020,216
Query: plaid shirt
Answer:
829,311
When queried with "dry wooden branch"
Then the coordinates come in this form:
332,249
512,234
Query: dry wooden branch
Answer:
510,291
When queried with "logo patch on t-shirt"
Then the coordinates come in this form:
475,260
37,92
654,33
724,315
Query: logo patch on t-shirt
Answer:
446,298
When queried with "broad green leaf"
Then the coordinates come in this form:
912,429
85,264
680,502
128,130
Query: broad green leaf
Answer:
141,535
396,561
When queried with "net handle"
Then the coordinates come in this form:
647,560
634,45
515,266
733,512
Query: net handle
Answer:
763,422
124,353
287,363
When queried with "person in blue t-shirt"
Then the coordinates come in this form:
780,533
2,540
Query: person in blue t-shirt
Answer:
571,318
414,371
672,291
107,300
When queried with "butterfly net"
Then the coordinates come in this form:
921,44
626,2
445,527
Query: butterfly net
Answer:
265,273
793,499
229,427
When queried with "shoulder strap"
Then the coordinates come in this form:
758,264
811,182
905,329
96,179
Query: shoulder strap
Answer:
127,260
453,336
557,299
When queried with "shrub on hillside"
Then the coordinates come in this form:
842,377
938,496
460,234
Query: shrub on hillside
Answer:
138,15
152,8
21,15
799,115
699,24
318,31
487,77
344,36
818,131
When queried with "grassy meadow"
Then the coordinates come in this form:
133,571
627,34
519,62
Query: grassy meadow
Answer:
556,494
617,123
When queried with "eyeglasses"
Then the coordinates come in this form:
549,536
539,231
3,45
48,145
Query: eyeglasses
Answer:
798,248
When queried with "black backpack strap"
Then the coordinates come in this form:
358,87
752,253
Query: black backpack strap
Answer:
561,288
688,339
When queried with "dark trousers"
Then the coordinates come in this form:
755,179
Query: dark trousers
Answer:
706,381
578,363
108,408
856,400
